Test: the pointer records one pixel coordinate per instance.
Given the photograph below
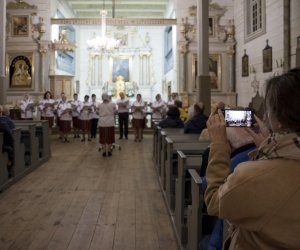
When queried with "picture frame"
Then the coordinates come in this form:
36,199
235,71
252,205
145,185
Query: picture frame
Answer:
215,71
211,26
120,67
245,65
21,71
20,26
267,58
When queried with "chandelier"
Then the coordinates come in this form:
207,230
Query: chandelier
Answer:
103,44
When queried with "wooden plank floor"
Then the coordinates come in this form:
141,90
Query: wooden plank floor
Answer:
80,200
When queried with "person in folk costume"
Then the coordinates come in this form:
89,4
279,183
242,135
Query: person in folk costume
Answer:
123,115
27,108
158,108
56,107
46,107
75,103
138,114
65,117
106,124
94,117
85,109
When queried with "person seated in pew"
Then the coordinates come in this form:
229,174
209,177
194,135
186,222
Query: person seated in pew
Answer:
261,198
198,122
27,108
172,120
241,144
8,145
65,117
183,114
4,116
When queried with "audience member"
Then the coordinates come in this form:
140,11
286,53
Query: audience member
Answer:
198,122
261,198
183,114
172,120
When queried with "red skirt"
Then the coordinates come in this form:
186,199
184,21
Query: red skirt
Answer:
106,135
85,125
75,122
138,123
65,126
50,120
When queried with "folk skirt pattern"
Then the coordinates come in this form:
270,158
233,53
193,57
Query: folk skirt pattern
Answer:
65,126
138,123
106,135
85,125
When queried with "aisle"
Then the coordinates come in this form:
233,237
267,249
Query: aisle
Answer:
80,200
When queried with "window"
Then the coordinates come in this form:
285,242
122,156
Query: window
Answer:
255,19
168,49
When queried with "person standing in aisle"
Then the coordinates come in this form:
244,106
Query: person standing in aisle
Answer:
123,115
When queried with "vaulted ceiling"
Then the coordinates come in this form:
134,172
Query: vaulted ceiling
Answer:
123,8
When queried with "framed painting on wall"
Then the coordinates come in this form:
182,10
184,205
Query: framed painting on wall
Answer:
245,64
120,68
215,71
20,71
267,58
20,26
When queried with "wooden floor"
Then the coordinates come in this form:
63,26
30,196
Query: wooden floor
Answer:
80,200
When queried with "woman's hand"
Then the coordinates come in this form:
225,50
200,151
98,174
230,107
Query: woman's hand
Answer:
263,131
217,128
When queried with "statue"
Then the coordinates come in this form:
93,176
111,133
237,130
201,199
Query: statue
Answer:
119,85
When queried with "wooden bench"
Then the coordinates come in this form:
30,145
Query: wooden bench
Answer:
174,138
156,128
19,154
31,142
162,133
189,148
199,223
3,164
183,185
42,133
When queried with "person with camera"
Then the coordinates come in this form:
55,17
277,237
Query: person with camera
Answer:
261,198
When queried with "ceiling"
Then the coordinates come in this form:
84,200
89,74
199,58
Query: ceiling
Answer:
123,8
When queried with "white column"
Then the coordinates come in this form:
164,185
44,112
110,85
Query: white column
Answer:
141,69
2,50
203,78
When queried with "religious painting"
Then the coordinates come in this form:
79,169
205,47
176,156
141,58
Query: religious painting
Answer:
215,71
20,72
120,68
245,65
20,26
211,30
267,58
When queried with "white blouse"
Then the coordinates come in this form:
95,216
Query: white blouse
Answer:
107,113
159,109
62,107
46,110
124,107
138,109
26,111
84,110
75,104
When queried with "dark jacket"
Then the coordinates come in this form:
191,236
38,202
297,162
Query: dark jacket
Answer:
173,120
195,125
8,121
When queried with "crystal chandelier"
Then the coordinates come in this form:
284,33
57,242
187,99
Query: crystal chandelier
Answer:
103,44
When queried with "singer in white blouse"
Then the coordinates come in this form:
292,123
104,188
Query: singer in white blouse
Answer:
138,113
27,108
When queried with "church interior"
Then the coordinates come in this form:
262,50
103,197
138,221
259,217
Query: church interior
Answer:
66,195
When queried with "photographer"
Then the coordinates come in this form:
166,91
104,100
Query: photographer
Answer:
261,198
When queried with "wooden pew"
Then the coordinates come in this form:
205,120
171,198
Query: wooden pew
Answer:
199,222
189,148
31,142
194,217
174,138
3,165
156,128
42,133
162,134
185,162
19,154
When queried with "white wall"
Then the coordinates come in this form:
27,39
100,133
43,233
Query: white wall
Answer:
274,33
